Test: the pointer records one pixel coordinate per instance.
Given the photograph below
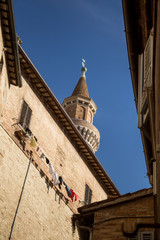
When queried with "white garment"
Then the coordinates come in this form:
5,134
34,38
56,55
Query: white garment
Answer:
54,174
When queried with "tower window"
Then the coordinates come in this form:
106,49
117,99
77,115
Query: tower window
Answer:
90,117
88,195
25,117
81,112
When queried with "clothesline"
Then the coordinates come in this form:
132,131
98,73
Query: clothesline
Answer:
41,153
55,179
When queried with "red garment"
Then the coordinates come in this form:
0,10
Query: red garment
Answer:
73,193
76,197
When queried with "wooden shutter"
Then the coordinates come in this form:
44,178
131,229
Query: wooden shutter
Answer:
140,89
23,113
147,236
88,195
28,116
148,70
148,61
25,117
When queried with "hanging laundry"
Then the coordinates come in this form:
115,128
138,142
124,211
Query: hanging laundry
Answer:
73,193
68,191
42,155
33,142
28,131
47,160
76,197
60,181
37,149
35,139
54,174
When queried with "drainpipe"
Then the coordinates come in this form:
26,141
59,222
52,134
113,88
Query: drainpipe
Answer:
89,229
20,198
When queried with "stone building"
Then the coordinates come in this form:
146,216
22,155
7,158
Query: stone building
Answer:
47,162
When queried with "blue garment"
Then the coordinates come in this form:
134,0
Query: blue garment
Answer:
68,192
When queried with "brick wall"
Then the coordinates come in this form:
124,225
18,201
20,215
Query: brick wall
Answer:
53,139
39,216
108,222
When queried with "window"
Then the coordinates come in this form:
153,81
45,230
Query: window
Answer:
145,81
81,113
25,117
88,195
146,235
90,117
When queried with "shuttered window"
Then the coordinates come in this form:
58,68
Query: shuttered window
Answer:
147,236
25,117
88,195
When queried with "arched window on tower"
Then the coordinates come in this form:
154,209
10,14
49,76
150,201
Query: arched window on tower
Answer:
90,117
71,111
81,113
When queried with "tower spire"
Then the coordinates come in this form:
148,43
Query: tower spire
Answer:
81,109
81,88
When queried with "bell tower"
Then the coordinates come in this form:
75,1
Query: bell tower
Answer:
81,109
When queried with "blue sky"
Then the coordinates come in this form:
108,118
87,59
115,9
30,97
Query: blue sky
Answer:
56,35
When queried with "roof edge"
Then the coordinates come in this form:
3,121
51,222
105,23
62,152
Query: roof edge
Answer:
116,191
117,200
14,41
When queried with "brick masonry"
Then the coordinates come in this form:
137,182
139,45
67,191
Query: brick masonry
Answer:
108,221
40,216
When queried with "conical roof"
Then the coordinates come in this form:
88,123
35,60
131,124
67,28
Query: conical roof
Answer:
81,88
